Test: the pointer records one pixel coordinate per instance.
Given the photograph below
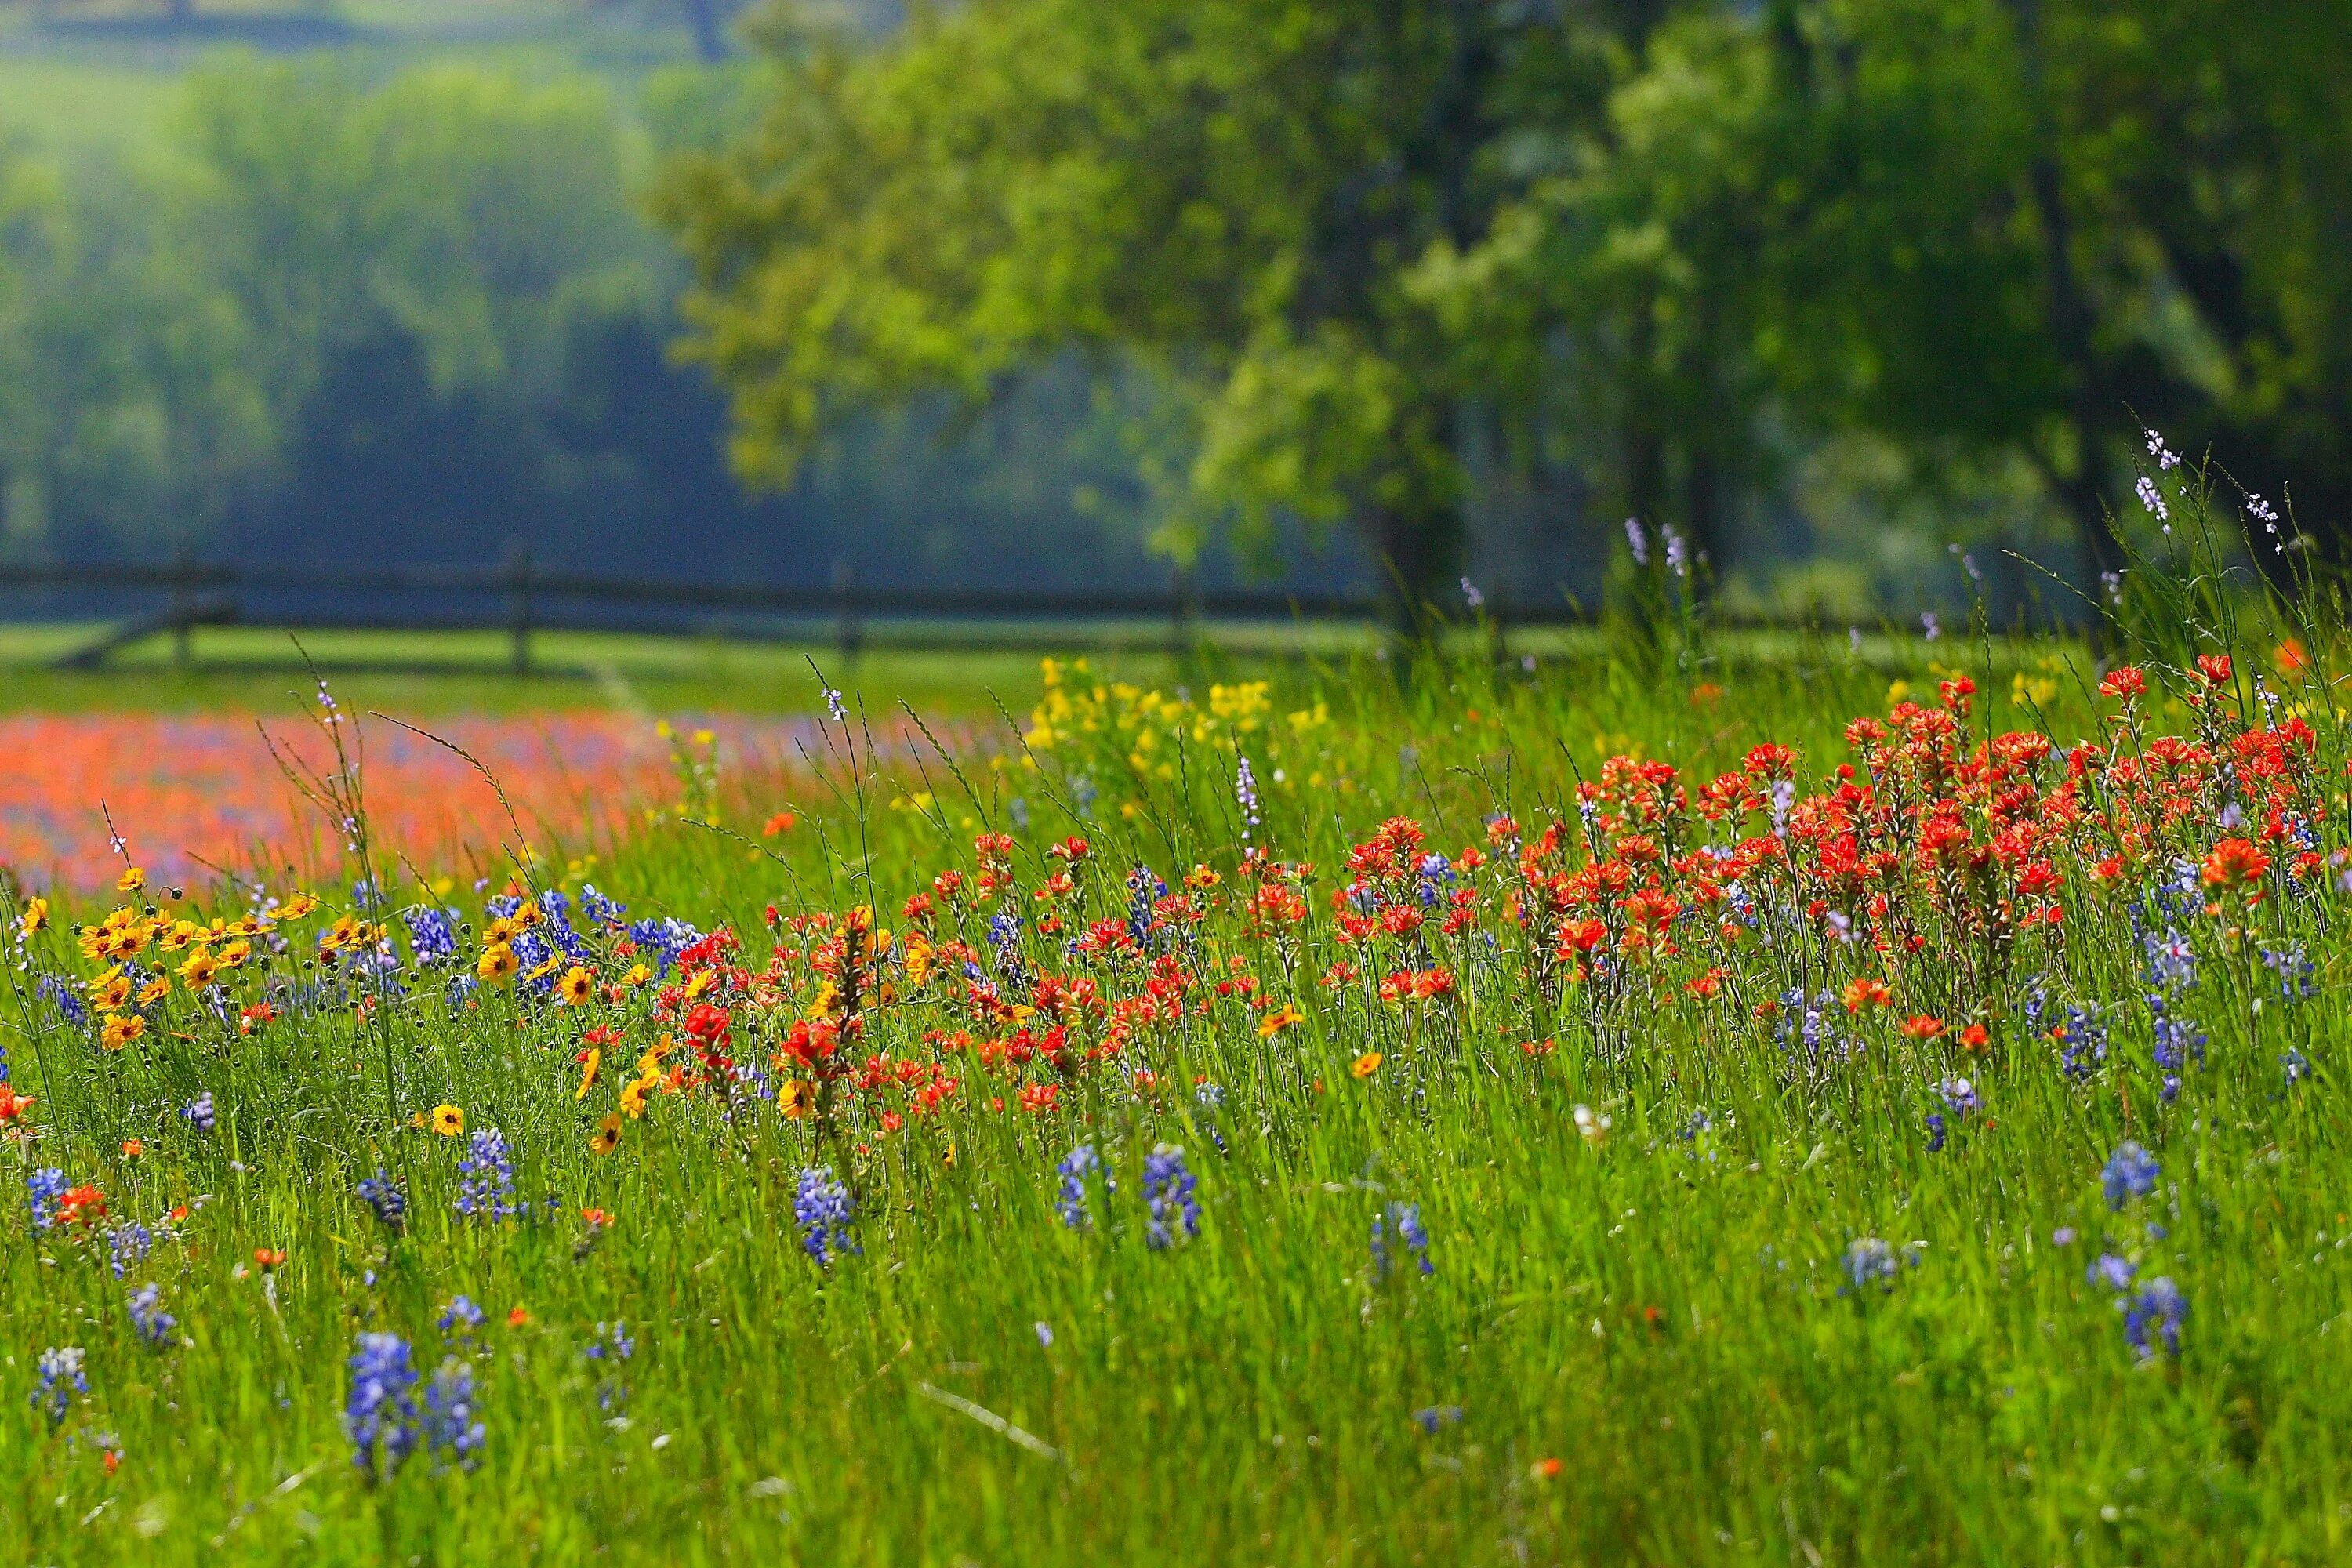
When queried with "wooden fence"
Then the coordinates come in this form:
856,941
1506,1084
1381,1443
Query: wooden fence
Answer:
519,596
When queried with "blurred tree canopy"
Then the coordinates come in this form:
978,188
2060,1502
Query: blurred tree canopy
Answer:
1682,240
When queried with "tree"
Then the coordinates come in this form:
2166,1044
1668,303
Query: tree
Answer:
1241,195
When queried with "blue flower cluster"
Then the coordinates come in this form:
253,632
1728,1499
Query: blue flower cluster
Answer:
822,1207
2152,1314
2130,1173
1077,1168
198,1113
1401,1222
61,1379
432,936
1870,1261
127,1246
461,1314
147,1315
57,994
659,942
379,1416
384,1196
46,1186
1168,1190
486,1178
449,1413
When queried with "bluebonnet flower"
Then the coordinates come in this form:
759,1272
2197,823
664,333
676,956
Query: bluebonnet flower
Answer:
1207,1100
2297,1066
1402,1222
2178,1040
127,1246
1431,1418
1079,1164
1870,1261
461,1314
61,1378
46,1186
1935,1132
449,1413
198,1113
381,1413
486,1178
1144,887
1471,596
1637,542
598,909
60,995
382,1195
660,941
147,1315
2063,1236
2155,1316
2131,1173
822,1207
1168,1190
431,936
2115,1273
2085,1047
1929,627
2293,968
1245,794
1044,1333
612,1342
611,1346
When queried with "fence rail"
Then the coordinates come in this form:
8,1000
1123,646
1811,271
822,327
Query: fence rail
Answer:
520,597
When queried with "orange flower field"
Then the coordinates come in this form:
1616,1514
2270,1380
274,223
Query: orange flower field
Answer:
194,792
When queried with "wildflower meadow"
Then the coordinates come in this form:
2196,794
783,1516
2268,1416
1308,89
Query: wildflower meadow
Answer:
1845,1099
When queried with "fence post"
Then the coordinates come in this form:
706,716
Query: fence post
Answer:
847,634
183,607
518,604
1183,614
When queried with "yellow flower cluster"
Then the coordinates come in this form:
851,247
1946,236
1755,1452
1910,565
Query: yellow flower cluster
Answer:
1143,724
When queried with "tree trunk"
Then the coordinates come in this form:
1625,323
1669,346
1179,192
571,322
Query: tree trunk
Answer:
2094,404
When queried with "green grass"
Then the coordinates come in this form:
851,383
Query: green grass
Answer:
1665,1311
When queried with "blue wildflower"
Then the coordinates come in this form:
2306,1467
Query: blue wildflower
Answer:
2115,1273
822,1207
379,1416
60,995
127,1246
384,1196
431,936
461,1314
147,1315
2131,1173
2296,1065
2155,1315
1077,1168
612,1342
486,1178
2294,970
1431,1418
1044,1333
61,1379
1870,1261
1168,1190
46,1186
198,1113
598,909
2084,1047
449,1413
1401,1222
